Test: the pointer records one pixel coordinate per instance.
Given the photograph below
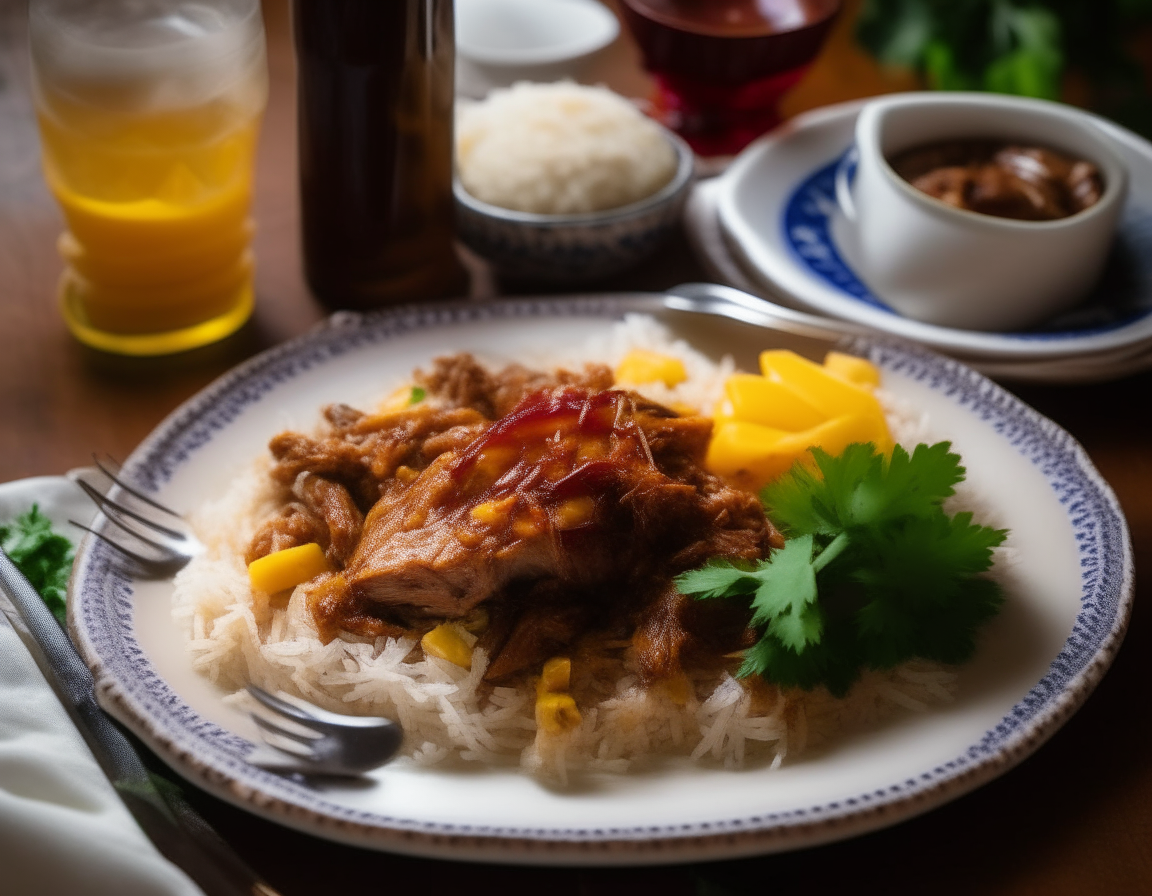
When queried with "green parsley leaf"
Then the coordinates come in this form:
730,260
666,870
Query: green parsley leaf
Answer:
717,578
417,395
43,556
785,600
874,572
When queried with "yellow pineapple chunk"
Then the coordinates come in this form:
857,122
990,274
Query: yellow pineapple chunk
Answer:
556,713
574,512
493,513
737,447
828,393
288,568
556,675
757,399
447,642
643,366
833,436
397,401
855,370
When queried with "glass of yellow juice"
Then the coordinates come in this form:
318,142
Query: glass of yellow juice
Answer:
149,112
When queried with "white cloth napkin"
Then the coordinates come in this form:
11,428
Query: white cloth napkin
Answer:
63,830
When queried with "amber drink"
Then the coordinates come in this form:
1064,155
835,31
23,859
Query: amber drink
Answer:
148,113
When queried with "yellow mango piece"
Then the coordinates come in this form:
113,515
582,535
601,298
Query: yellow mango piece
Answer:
857,371
574,512
556,676
757,399
397,401
738,447
494,513
833,436
642,366
829,394
556,713
826,392
288,568
752,455
749,455
447,642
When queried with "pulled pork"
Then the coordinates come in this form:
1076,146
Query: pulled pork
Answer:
559,505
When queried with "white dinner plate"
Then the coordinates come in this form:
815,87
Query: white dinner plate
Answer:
777,205
1069,596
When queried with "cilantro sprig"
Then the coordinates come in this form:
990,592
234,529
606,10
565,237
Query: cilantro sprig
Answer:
873,571
43,556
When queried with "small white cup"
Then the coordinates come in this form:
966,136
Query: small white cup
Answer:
956,268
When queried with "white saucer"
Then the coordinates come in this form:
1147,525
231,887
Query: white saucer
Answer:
714,251
777,209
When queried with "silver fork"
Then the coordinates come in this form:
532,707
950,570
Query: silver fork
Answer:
158,540
312,740
302,738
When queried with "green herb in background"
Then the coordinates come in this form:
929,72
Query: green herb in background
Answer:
873,572
44,557
1024,47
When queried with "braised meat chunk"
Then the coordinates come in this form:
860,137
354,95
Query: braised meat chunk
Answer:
565,490
561,506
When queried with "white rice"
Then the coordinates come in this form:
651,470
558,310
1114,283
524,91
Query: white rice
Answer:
450,717
560,149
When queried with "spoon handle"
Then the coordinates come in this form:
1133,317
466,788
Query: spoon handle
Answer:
727,301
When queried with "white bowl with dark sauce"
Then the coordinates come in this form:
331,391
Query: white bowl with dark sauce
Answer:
980,211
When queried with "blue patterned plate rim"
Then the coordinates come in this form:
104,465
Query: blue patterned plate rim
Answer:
810,267
130,687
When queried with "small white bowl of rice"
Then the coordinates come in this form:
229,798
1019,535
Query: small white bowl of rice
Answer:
563,182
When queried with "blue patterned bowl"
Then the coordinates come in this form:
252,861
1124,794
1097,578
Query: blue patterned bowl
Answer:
574,248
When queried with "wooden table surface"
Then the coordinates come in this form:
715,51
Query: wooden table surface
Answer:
1075,818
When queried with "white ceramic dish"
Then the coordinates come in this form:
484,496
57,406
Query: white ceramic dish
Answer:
1070,596
715,252
777,206
957,268
499,42
576,248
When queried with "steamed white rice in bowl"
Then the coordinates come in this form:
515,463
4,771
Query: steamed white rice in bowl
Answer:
560,149
451,716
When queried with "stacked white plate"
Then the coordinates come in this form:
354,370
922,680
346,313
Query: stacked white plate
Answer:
770,225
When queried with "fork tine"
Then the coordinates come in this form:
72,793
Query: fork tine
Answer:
127,552
279,730
281,706
132,491
112,510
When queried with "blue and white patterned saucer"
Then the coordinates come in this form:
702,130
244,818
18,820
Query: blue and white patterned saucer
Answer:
777,207
1070,594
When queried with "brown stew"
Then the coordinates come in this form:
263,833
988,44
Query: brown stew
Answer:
1007,180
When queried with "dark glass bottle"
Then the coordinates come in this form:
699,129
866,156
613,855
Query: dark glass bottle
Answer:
375,131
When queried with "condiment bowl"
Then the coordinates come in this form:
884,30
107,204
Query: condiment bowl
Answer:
499,42
957,268
578,247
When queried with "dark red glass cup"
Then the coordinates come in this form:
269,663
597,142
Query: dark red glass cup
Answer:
722,66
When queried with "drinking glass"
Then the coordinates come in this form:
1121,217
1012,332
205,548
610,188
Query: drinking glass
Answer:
149,112
722,66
